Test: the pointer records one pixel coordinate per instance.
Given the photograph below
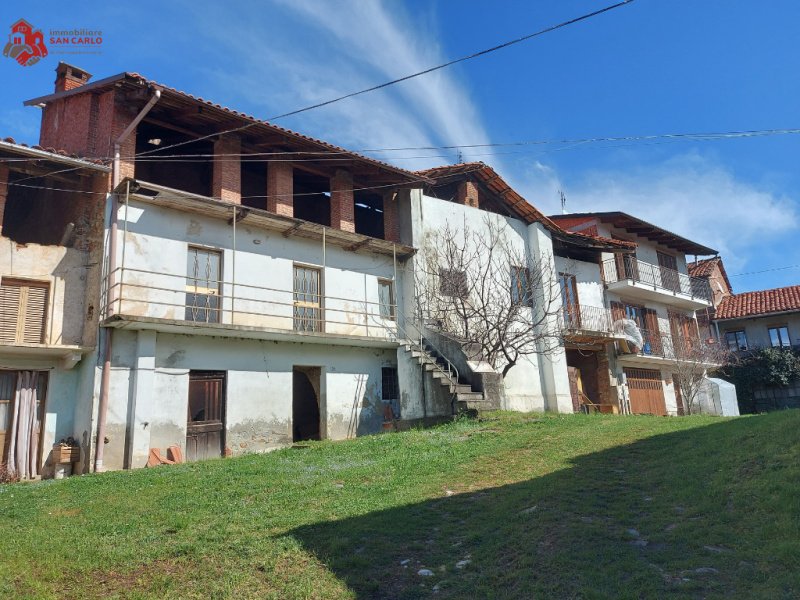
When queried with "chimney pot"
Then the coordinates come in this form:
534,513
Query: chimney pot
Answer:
68,77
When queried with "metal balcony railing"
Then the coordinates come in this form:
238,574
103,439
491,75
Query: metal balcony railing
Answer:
661,278
172,297
586,319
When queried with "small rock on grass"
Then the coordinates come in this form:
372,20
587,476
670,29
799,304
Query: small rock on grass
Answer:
706,570
404,563
632,532
463,563
425,573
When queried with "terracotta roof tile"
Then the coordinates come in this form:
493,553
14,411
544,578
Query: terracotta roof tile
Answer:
750,304
516,203
55,151
705,268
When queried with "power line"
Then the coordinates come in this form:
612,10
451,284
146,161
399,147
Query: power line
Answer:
328,155
765,271
412,75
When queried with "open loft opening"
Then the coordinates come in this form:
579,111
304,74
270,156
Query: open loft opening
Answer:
455,191
369,213
312,197
191,172
254,182
47,214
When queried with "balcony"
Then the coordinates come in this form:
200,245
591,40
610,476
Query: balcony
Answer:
140,299
661,348
637,279
587,325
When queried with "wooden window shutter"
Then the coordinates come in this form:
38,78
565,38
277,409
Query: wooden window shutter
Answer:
23,311
651,325
617,310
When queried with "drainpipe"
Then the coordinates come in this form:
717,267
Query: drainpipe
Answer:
105,379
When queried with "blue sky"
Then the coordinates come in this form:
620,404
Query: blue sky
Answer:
648,68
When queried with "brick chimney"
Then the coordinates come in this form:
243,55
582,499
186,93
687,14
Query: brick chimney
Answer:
69,77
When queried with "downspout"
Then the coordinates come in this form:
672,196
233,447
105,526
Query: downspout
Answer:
105,379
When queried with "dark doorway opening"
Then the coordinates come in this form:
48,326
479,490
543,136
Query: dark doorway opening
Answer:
305,403
192,172
205,422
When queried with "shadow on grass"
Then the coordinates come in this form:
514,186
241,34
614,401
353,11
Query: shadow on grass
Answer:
707,512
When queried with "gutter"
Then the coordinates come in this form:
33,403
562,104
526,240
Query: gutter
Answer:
105,380
54,156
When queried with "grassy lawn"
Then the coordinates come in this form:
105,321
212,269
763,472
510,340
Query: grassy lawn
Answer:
512,506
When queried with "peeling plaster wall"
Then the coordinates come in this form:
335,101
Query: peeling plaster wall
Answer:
259,392
260,277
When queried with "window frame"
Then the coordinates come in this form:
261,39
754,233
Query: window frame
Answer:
735,333
319,325
213,314
386,311
780,343
24,285
523,297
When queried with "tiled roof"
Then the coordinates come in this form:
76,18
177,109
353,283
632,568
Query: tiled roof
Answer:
516,203
750,304
57,153
136,78
705,268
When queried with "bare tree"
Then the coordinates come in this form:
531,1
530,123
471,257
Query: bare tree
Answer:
481,288
691,358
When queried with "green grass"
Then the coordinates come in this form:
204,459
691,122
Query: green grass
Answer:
555,507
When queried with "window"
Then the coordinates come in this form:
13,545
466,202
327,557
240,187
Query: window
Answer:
386,298
779,337
521,292
569,299
307,299
736,340
23,311
203,281
453,283
390,387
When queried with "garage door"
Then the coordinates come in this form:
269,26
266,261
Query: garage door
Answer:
646,392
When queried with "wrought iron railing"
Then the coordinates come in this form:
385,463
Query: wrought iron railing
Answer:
582,318
661,278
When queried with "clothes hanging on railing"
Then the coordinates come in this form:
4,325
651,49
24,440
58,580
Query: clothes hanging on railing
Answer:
23,450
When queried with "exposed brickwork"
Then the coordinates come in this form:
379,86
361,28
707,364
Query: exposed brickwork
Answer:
227,174
280,188
69,77
467,193
604,391
391,224
3,192
342,204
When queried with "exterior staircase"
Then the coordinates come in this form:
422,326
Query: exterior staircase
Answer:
437,368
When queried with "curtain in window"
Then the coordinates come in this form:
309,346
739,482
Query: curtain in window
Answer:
23,447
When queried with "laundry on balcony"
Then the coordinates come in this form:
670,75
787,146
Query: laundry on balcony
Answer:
631,340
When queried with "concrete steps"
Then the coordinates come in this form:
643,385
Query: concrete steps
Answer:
465,398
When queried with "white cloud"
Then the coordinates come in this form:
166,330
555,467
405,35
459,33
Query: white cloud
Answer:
311,50
691,195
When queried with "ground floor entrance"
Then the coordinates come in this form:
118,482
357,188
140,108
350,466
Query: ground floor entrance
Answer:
306,411
589,380
646,391
205,425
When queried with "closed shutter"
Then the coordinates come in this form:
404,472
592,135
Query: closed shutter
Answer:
652,335
617,311
23,311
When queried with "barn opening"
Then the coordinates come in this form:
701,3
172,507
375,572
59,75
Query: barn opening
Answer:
306,403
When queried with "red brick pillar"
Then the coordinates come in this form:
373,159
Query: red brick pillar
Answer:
467,194
391,226
3,192
342,205
280,188
227,177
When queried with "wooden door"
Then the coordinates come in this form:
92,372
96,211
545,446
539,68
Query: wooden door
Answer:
569,299
8,388
646,392
205,426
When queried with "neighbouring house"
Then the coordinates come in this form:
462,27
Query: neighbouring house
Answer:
713,270
51,252
763,319
652,299
470,213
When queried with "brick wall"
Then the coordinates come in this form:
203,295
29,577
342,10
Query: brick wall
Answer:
467,193
227,174
69,77
280,187
391,224
342,206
